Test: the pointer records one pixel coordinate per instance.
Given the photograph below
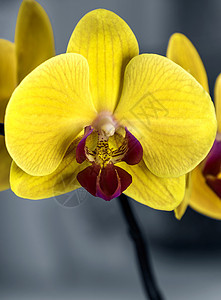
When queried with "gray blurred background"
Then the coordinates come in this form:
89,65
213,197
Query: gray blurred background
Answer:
50,251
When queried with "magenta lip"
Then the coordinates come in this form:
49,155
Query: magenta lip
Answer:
88,178
213,160
112,182
212,168
106,183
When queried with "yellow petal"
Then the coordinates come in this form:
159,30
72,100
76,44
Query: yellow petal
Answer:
153,191
203,199
33,37
47,111
7,74
181,51
5,164
7,85
169,112
108,44
62,180
181,209
217,98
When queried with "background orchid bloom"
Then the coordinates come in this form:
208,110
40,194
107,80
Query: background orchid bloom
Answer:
203,184
108,119
34,43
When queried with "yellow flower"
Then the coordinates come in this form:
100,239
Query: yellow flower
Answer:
146,121
203,185
34,43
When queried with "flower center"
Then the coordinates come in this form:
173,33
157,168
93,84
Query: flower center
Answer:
105,125
103,153
107,150
104,144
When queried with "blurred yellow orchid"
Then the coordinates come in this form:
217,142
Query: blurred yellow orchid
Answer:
203,184
104,117
34,43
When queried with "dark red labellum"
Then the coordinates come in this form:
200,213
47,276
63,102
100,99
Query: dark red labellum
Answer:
107,183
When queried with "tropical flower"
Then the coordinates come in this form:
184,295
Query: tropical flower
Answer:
203,184
105,118
34,43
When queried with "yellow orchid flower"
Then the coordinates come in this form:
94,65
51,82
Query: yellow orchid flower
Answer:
146,121
34,43
203,192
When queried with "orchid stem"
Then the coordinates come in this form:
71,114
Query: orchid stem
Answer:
149,283
2,130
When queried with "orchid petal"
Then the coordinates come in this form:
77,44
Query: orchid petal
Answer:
203,199
5,163
7,74
181,51
34,39
62,180
181,209
7,85
153,191
47,111
217,98
108,44
169,112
